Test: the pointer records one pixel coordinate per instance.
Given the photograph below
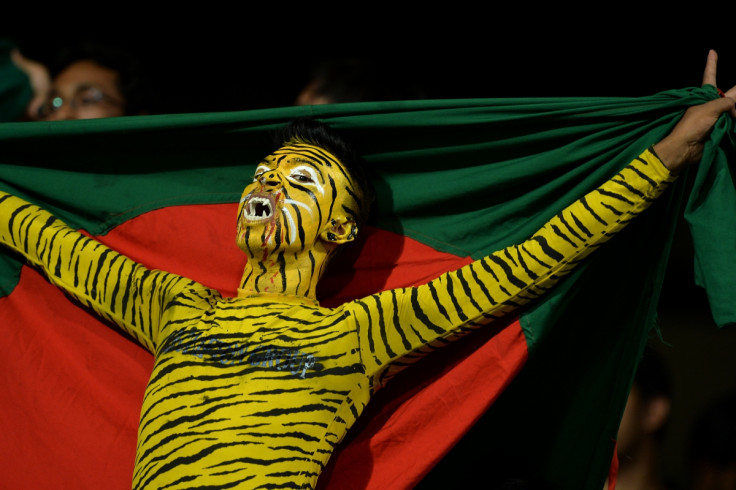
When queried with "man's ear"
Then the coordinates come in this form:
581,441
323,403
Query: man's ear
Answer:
340,230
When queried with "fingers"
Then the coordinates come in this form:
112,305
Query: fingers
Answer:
701,118
724,104
709,75
711,111
709,78
730,95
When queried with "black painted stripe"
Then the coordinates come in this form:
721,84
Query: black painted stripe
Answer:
421,315
548,250
507,271
435,296
592,212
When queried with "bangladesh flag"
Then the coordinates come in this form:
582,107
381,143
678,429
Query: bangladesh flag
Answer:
542,390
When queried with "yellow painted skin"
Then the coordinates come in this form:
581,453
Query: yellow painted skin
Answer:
256,391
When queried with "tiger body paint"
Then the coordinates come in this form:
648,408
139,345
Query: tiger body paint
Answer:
256,391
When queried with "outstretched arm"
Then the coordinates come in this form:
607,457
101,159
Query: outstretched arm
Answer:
397,326
400,324
117,288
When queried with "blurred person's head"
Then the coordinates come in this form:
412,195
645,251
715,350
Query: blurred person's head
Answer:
712,450
642,426
647,408
355,79
92,80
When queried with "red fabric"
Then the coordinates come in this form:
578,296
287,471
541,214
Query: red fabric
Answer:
74,385
410,425
72,390
613,472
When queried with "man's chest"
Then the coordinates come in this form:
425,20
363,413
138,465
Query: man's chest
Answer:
298,342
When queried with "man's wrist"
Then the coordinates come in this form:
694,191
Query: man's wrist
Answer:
671,154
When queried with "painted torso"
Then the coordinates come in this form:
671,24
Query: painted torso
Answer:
215,402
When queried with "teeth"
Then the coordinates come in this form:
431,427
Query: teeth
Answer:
258,208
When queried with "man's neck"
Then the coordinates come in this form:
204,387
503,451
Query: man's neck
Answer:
288,274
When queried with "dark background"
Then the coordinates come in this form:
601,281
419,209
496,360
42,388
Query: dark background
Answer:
202,67
228,61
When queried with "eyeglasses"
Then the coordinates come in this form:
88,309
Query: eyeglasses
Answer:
86,96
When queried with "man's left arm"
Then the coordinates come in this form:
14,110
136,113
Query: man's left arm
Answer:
404,324
399,326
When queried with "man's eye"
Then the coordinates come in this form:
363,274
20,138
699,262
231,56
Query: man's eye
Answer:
302,178
90,96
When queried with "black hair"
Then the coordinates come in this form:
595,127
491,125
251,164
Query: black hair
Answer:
132,81
317,133
652,380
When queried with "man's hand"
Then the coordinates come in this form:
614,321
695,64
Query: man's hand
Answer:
38,75
684,145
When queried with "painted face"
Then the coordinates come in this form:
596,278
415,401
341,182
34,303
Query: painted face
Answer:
297,193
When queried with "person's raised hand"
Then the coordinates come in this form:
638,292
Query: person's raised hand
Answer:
38,76
684,145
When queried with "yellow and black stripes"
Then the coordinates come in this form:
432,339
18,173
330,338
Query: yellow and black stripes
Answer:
253,391
495,285
117,288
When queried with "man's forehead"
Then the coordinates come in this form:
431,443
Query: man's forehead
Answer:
302,151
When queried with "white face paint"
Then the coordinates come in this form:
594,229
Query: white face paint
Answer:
260,170
290,219
307,176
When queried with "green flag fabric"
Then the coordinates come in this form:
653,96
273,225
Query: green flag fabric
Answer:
461,178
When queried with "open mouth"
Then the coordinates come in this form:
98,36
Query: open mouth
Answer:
259,207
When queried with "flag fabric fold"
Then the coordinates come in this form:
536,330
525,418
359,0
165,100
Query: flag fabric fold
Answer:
455,180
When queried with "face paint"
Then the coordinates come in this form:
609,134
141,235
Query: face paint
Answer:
294,194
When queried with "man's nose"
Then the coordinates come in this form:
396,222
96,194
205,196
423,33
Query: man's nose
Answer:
270,180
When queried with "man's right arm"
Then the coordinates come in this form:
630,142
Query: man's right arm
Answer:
116,287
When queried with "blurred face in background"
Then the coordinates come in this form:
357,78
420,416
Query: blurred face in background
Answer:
83,90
